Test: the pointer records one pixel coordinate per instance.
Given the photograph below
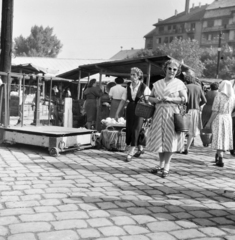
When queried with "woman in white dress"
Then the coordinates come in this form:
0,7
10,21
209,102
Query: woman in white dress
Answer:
166,94
221,121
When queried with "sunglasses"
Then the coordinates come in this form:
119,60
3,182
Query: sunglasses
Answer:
174,69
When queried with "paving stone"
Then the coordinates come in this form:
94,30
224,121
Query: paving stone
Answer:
8,220
123,220
163,216
16,211
163,226
46,209
66,234
218,213
3,231
133,230
182,215
200,214
212,231
70,215
99,222
50,202
88,233
107,205
187,234
228,228
143,219
112,231
29,227
135,237
138,211
45,217
186,224
67,207
203,222
23,236
230,237
69,224
160,236
157,209
124,204
22,204
98,213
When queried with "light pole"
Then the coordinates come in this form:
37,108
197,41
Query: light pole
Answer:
218,57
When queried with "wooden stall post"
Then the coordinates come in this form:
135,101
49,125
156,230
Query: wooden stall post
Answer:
148,74
22,106
49,114
37,103
79,84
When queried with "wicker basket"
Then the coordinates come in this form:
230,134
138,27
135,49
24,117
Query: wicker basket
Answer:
144,110
206,137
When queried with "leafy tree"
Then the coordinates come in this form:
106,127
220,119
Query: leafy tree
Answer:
227,62
185,50
40,43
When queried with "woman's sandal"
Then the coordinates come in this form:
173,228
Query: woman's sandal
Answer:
138,153
165,173
156,170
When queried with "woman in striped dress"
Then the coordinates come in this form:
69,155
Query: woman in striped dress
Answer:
162,138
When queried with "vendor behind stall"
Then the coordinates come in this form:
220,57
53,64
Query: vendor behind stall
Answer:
90,95
115,94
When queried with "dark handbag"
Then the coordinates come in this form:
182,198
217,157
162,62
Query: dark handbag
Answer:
144,109
142,139
181,120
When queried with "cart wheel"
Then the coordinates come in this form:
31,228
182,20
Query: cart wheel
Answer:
205,145
54,152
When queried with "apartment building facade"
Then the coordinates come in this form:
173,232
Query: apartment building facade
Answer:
202,23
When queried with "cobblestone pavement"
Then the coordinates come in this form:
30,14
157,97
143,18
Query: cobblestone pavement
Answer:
94,194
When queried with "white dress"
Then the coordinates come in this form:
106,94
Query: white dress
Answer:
161,135
222,125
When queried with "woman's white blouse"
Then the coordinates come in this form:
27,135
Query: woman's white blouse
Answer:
134,92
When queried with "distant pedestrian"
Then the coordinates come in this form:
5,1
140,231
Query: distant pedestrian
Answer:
221,121
207,109
196,99
115,94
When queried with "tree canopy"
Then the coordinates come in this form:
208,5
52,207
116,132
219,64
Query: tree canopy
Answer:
185,50
40,43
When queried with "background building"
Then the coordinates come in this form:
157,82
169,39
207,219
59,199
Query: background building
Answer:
202,23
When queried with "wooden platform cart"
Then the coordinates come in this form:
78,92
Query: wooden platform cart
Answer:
56,139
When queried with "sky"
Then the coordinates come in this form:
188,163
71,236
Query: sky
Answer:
95,29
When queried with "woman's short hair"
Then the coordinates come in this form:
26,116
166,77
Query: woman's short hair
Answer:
172,61
91,82
214,86
138,72
119,80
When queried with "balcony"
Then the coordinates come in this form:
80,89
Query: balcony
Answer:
214,28
213,42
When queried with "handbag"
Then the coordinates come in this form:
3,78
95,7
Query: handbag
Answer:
181,120
144,109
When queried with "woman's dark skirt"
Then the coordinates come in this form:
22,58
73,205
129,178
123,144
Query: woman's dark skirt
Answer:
133,125
91,109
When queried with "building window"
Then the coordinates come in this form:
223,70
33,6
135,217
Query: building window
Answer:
204,24
218,22
210,23
192,27
169,28
149,43
225,21
158,40
171,39
161,29
209,37
166,40
231,35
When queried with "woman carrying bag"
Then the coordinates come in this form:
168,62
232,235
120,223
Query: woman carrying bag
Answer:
134,91
166,94
221,121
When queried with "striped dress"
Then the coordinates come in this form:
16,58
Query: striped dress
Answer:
161,135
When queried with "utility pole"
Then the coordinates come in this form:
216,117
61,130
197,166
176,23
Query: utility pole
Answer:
218,57
6,51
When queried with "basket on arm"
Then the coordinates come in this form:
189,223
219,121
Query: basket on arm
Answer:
144,109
